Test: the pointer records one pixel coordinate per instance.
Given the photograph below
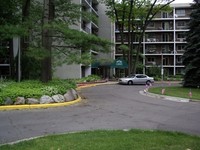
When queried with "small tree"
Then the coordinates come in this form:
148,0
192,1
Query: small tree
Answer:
191,57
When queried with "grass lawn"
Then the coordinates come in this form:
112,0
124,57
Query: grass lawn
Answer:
111,140
177,91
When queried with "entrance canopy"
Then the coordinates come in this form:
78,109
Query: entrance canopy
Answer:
119,63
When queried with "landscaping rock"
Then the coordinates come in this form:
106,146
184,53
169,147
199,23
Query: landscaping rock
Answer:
32,101
45,99
75,94
8,101
69,96
58,98
20,101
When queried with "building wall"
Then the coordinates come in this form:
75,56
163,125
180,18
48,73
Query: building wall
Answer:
68,71
106,31
79,70
102,28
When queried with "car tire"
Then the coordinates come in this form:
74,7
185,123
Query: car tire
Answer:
148,82
130,83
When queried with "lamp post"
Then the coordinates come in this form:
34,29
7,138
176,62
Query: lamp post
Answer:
19,60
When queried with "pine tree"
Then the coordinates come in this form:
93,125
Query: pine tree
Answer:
191,57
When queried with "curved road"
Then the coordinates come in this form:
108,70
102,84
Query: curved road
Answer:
103,107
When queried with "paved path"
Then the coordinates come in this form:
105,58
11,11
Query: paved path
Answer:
104,107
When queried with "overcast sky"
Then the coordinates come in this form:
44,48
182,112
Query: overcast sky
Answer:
183,1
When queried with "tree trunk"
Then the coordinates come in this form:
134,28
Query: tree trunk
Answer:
46,72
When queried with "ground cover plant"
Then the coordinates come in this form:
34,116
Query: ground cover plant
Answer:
111,140
90,78
33,88
178,91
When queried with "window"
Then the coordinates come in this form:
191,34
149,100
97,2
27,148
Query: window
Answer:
151,25
180,12
179,59
152,47
165,47
165,14
151,59
140,76
180,47
118,37
181,36
151,37
181,23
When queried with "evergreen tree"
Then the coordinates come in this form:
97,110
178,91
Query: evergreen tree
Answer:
47,27
191,57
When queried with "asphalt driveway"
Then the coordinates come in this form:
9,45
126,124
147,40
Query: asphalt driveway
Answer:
103,107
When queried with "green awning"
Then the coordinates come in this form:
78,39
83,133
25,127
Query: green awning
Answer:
119,63
95,65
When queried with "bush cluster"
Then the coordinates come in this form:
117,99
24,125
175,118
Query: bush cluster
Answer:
90,78
33,88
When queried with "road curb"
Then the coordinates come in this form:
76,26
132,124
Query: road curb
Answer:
164,97
34,106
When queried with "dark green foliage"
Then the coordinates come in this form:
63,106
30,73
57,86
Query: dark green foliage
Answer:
9,11
76,41
26,22
154,71
191,57
33,89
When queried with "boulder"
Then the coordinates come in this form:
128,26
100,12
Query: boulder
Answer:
20,101
69,96
45,99
8,101
32,101
75,94
58,98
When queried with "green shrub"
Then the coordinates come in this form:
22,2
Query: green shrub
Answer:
49,90
33,88
90,78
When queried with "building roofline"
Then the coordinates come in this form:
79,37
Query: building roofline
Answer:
177,5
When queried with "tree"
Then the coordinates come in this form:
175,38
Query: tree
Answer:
191,57
10,26
47,28
136,16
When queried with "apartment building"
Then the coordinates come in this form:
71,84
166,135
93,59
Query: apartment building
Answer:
163,44
101,28
164,41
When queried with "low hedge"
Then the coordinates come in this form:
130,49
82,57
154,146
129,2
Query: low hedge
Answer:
33,89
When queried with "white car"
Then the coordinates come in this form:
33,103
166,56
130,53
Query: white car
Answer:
136,79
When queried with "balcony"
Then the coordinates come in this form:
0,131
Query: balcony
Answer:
158,40
154,51
151,63
85,28
181,40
